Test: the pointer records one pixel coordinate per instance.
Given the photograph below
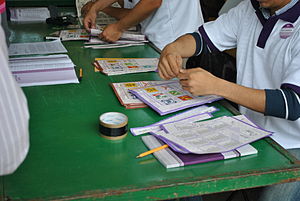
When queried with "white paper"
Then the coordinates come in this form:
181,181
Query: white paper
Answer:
36,48
29,14
43,70
126,35
213,136
184,115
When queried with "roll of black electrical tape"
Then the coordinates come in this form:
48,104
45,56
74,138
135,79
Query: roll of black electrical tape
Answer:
113,125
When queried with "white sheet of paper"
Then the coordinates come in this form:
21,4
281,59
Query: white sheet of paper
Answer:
39,14
36,48
184,115
213,136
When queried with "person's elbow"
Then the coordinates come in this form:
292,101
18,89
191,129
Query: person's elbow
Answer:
155,4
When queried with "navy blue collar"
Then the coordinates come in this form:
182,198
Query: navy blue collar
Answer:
291,15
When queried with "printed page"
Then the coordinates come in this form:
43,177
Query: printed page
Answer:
184,115
38,14
213,136
113,66
122,90
169,98
74,34
36,48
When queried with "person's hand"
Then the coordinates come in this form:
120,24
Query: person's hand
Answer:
111,33
198,81
85,9
89,20
170,63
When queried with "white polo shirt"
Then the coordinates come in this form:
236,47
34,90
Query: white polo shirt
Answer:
14,116
171,20
263,61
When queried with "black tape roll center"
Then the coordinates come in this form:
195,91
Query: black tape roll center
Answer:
113,132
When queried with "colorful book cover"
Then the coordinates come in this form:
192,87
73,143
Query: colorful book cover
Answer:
120,66
168,98
128,99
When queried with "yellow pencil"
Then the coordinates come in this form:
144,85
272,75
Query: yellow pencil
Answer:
152,151
80,74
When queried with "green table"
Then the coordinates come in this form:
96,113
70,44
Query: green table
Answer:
69,160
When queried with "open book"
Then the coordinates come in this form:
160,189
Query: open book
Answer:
168,98
126,98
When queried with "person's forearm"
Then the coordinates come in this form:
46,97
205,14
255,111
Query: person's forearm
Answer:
251,98
117,13
101,4
140,12
184,45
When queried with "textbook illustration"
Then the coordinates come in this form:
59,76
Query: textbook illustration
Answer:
126,98
119,66
168,98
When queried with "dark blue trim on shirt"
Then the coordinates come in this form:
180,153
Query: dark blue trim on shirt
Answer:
276,104
198,40
291,86
291,15
207,40
201,46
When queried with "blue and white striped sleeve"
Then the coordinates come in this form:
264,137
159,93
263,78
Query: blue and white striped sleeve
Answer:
283,103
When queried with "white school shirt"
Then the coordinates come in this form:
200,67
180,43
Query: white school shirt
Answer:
270,67
14,116
171,20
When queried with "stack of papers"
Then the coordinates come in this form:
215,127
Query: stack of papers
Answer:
29,14
168,98
127,39
126,98
131,36
119,66
36,48
193,142
43,70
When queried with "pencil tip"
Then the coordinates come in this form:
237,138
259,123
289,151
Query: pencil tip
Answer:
138,157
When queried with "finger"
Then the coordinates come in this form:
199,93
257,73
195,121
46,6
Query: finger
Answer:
183,75
184,83
173,67
162,71
186,88
86,24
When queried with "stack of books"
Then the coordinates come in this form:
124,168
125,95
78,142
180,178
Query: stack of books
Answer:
198,142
